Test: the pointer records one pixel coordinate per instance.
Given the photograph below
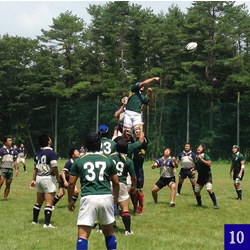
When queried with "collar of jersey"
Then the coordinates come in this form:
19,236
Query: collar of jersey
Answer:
46,148
120,153
187,152
94,153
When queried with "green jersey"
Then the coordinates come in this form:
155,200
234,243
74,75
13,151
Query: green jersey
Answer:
236,161
136,99
107,146
202,168
94,170
132,147
124,165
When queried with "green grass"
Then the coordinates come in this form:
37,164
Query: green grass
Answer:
160,227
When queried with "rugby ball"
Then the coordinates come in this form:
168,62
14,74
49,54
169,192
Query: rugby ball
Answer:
191,46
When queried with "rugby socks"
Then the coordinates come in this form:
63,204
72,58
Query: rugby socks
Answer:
198,198
126,220
82,244
179,188
193,186
239,193
134,199
24,168
141,198
36,211
74,198
212,196
57,198
110,242
47,214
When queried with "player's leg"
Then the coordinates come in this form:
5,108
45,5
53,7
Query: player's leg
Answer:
140,184
180,183
49,198
197,190
127,122
126,219
83,236
237,185
110,239
172,187
209,188
37,207
106,219
155,189
7,188
24,165
192,181
60,194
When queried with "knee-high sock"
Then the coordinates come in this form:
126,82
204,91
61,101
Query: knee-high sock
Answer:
126,220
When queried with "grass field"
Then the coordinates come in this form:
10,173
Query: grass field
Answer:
160,227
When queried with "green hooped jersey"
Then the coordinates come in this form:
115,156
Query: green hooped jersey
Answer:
124,165
94,170
136,99
202,168
236,161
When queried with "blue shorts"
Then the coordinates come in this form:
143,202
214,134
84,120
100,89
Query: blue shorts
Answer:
184,173
162,182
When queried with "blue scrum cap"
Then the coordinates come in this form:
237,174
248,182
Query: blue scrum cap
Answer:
103,129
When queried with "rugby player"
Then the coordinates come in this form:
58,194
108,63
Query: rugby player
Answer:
45,175
167,164
237,166
64,177
97,202
8,158
124,165
203,166
187,158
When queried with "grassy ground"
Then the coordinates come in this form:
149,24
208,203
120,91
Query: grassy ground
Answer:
160,227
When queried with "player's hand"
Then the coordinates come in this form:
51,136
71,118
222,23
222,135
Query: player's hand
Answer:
150,90
71,206
17,173
153,166
239,176
133,190
230,175
200,156
156,78
32,185
66,184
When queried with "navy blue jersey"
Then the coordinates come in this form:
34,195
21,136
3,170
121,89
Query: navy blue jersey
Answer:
7,157
166,167
22,152
45,160
67,167
187,159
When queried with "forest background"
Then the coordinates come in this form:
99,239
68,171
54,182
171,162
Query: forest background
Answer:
72,77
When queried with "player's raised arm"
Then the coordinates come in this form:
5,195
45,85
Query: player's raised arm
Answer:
146,82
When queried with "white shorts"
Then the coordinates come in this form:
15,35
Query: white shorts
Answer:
123,193
96,207
129,182
20,159
131,119
45,184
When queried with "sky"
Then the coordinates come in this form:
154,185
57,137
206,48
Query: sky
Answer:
27,18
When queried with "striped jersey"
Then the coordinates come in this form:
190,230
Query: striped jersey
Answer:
45,160
7,157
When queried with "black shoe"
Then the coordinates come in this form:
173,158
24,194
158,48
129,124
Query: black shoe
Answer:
198,205
216,206
239,199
